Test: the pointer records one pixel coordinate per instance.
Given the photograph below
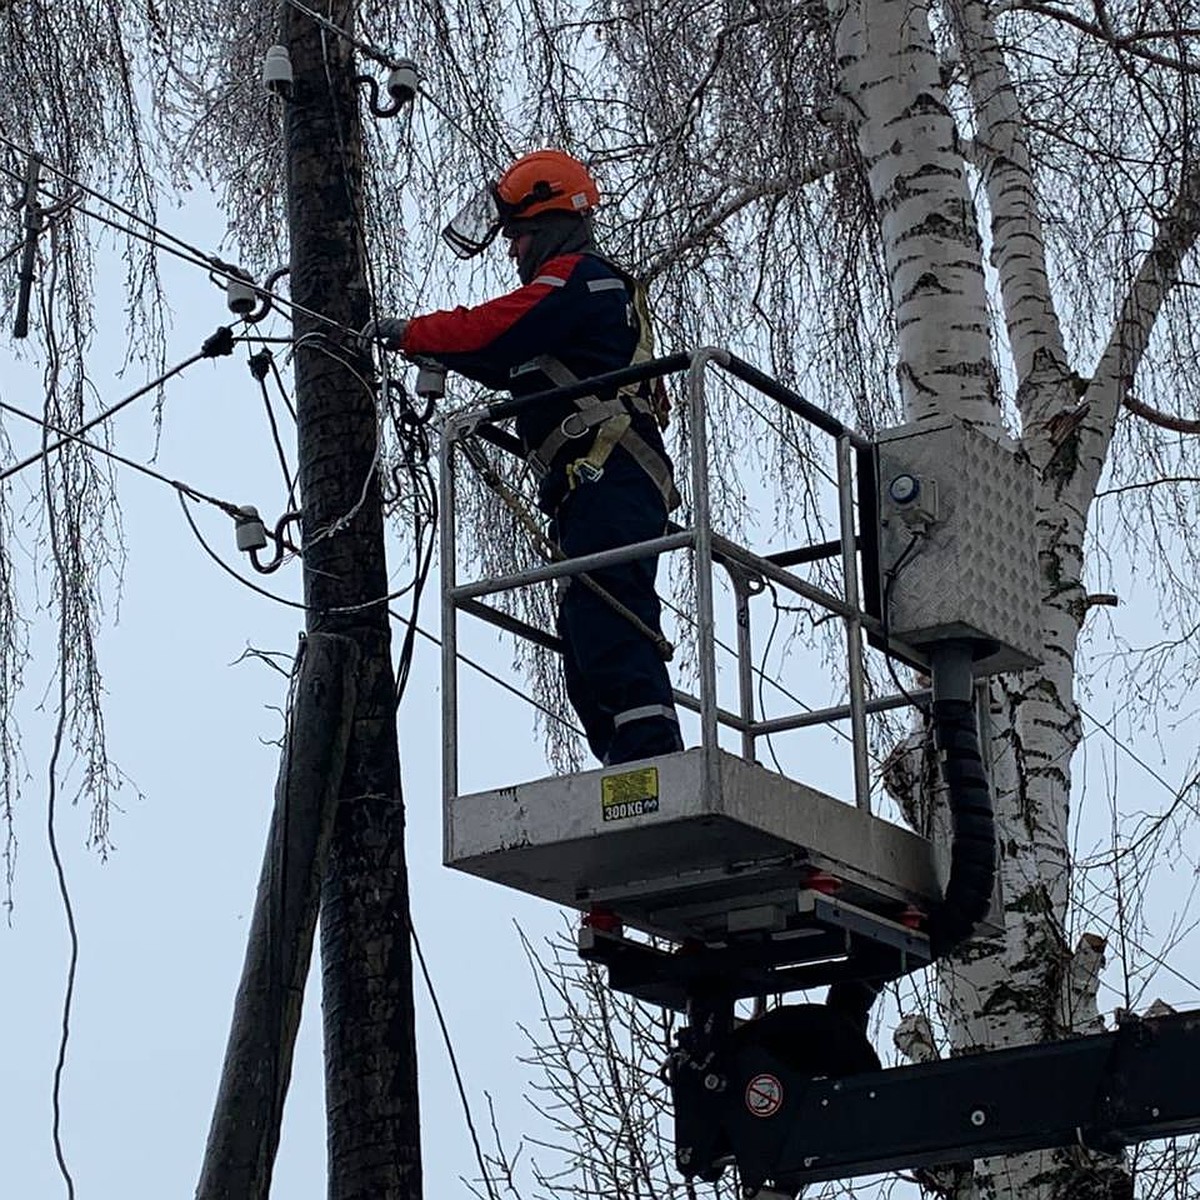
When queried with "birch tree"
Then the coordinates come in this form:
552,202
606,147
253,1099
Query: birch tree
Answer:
1011,191
817,186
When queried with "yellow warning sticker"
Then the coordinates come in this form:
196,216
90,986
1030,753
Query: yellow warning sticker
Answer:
632,794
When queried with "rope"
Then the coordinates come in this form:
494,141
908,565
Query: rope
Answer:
551,552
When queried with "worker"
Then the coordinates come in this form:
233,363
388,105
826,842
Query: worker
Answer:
605,479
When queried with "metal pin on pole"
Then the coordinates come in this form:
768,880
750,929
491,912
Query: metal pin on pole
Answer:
33,226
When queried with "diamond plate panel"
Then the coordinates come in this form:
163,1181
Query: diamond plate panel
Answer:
974,573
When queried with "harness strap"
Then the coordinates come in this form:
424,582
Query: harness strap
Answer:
575,425
594,411
590,467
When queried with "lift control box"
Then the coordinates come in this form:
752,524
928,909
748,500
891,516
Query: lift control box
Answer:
957,549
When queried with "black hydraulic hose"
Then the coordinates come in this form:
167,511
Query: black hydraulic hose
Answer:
972,852
973,840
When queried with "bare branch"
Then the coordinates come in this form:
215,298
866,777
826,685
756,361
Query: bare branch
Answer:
700,234
1126,43
1158,273
1161,419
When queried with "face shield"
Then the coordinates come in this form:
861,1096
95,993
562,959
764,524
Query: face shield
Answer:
476,225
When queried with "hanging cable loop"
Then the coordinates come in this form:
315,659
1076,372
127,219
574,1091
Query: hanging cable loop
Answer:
402,84
253,536
266,294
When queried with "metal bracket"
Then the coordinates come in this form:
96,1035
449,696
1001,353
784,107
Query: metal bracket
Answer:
33,226
823,940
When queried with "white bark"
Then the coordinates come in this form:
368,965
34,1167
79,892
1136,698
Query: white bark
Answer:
1026,985
892,92
1018,249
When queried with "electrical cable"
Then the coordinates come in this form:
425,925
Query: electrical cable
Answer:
391,62
104,416
409,437
260,364
184,489
384,59
182,249
283,392
419,631
102,197
890,577
458,1079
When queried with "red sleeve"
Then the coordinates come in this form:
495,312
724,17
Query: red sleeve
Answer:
470,330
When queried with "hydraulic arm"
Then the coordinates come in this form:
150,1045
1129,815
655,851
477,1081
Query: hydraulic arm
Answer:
748,1103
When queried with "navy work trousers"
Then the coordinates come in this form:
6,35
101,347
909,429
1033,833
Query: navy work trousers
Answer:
616,678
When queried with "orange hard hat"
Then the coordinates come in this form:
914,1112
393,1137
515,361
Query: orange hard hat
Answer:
546,181
541,182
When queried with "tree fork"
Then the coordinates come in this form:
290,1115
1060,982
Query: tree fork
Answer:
244,1135
370,1050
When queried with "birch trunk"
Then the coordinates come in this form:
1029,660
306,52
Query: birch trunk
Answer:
891,89
1027,985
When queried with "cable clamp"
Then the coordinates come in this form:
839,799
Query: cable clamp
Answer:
218,344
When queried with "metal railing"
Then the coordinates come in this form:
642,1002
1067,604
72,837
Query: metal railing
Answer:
708,548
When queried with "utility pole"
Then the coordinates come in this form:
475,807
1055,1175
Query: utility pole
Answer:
370,1046
244,1136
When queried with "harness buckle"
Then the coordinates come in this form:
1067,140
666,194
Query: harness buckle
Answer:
537,464
574,426
582,471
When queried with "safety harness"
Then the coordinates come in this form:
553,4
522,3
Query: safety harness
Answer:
552,552
612,419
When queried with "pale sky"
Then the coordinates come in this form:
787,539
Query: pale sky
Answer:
162,924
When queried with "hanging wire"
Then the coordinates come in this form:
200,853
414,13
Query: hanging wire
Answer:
103,416
458,1079
419,631
260,367
184,489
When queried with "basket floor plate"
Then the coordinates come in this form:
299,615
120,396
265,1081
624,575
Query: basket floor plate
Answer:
675,855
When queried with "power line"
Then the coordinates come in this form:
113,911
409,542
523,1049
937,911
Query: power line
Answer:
1141,762
419,630
105,199
458,1079
392,61
260,367
182,249
384,59
108,412
184,489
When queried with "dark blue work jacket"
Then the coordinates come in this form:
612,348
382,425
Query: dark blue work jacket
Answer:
577,310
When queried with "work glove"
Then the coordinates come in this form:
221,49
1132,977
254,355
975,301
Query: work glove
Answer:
388,330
